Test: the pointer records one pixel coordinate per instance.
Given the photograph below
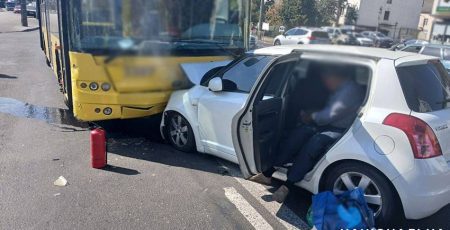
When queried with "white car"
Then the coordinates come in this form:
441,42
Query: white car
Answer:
302,35
397,150
363,41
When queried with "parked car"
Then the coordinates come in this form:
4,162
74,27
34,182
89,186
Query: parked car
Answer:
440,51
17,9
379,39
397,149
10,6
363,41
340,36
31,10
408,42
302,35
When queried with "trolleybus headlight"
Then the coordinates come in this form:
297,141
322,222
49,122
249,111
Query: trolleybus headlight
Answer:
93,86
107,111
106,86
83,85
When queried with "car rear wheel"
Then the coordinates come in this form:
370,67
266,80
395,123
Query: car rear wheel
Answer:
277,43
179,133
378,191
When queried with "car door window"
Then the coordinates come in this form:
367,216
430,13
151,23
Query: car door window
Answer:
300,32
291,32
412,49
242,76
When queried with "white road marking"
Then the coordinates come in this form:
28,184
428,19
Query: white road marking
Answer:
250,213
283,214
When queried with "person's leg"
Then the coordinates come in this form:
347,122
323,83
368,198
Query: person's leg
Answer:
304,162
288,149
308,157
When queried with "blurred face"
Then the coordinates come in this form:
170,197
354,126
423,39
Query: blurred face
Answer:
332,81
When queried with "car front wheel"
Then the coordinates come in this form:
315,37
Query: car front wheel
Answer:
179,133
378,191
277,43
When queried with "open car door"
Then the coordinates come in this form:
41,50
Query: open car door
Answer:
257,128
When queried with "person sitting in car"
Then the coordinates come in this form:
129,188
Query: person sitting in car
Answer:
307,143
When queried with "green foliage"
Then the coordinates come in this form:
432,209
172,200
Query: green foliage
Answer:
299,13
351,16
291,13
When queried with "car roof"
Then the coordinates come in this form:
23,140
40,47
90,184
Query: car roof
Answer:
428,45
367,52
309,28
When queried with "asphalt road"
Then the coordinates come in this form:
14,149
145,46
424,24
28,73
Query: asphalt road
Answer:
148,185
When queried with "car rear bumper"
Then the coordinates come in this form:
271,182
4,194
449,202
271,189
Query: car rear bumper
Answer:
425,189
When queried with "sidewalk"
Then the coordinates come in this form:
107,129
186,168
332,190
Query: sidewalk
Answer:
10,22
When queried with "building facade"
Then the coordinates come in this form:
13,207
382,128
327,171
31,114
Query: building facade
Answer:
396,18
434,24
426,21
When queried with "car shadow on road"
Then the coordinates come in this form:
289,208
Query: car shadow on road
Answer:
141,139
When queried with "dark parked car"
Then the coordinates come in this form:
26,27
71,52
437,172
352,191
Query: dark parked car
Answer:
10,6
31,10
379,39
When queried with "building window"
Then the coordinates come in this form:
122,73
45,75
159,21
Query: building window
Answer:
389,1
386,15
425,22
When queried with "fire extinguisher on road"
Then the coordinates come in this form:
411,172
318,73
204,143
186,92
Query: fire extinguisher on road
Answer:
98,148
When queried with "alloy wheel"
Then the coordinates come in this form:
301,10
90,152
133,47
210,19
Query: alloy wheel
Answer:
179,131
351,180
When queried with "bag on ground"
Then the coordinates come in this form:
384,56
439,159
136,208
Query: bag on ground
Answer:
345,211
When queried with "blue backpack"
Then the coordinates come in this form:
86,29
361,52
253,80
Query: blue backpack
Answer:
345,211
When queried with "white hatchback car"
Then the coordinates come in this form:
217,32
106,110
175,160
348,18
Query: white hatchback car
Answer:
302,35
397,150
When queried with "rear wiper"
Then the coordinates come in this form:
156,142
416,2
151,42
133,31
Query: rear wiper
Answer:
215,43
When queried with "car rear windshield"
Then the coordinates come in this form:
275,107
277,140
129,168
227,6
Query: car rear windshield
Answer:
320,34
426,87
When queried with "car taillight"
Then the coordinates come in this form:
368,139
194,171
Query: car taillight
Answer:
312,38
423,141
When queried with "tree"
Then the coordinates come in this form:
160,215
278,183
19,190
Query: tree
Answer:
299,13
327,11
331,10
341,5
24,13
351,15
273,14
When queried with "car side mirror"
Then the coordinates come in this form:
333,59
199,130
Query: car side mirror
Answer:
215,84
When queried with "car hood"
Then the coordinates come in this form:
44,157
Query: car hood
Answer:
196,71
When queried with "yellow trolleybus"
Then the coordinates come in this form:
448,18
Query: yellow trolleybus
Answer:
119,59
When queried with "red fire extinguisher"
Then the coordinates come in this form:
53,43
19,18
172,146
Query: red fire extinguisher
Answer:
98,148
